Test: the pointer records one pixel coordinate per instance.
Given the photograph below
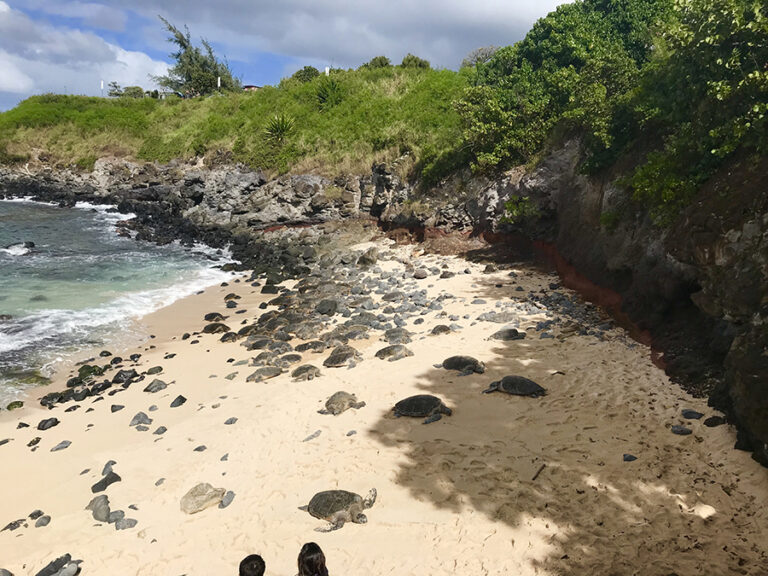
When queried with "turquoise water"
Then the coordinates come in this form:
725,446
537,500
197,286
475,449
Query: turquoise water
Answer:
81,285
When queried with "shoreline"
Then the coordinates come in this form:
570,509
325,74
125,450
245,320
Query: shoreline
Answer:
505,483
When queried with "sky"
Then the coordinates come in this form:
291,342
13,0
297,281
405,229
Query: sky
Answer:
70,46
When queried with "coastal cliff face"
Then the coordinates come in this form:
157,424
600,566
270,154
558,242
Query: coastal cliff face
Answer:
699,286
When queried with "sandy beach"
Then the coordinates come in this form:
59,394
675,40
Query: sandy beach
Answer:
506,484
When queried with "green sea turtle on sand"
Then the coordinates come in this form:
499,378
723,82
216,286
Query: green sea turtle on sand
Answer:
339,507
264,373
517,386
464,364
341,356
422,406
339,402
397,336
394,352
305,372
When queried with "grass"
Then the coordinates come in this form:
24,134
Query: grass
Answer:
341,124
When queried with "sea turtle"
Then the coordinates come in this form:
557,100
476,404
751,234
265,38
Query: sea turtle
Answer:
394,352
216,328
214,317
340,402
464,364
263,359
422,406
440,329
287,359
517,386
341,356
305,372
397,336
264,373
311,346
508,334
339,507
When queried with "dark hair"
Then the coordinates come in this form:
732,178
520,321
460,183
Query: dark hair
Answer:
252,565
312,561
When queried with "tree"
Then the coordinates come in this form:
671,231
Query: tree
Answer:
306,74
114,90
411,61
378,62
196,70
479,56
133,92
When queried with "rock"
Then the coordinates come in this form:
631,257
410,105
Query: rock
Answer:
420,274
230,421
4,572
43,521
155,370
124,376
713,421
227,500
100,508
48,423
369,257
108,467
116,515
35,515
201,448
125,523
155,386
62,566
61,446
15,405
140,418
680,430
116,408
102,484
178,401
327,307
629,458
201,497
160,431
15,525
692,414
440,329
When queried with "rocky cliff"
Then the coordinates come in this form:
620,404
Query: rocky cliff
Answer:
699,286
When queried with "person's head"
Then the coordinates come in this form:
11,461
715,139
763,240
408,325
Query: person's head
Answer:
252,565
312,561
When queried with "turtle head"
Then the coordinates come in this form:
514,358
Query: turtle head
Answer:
480,368
361,519
493,387
369,500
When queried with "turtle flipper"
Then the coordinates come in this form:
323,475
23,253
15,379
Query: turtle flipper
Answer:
334,525
323,411
433,418
357,405
492,388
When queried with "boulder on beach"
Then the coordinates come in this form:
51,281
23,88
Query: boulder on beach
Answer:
201,497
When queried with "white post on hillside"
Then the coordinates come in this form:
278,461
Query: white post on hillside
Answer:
102,88
218,83
327,71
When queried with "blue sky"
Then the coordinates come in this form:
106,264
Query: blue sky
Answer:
71,45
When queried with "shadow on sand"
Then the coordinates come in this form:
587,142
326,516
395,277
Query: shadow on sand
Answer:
552,468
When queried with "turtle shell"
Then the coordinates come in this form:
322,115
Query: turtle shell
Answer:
326,504
520,386
418,406
340,356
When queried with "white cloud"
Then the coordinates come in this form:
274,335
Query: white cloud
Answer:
347,33
12,79
36,57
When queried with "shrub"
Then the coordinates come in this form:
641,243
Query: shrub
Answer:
329,93
279,127
411,61
378,62
306,74
133,92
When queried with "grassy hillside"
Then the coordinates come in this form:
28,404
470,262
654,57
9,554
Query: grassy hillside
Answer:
330,124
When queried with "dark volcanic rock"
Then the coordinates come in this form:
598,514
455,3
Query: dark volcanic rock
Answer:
110,478
178,401
508,334
48,423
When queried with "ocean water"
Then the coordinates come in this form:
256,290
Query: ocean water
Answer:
81,286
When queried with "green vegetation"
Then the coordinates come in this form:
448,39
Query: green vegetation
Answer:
663,92
368,115
196,71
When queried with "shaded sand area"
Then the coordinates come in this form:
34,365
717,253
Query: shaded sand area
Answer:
505,485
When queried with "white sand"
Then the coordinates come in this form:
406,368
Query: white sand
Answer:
454,497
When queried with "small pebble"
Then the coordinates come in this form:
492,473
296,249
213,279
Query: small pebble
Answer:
312,436
692,415
61,446
629,458
680,430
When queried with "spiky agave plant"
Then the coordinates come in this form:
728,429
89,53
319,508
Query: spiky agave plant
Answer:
279,127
